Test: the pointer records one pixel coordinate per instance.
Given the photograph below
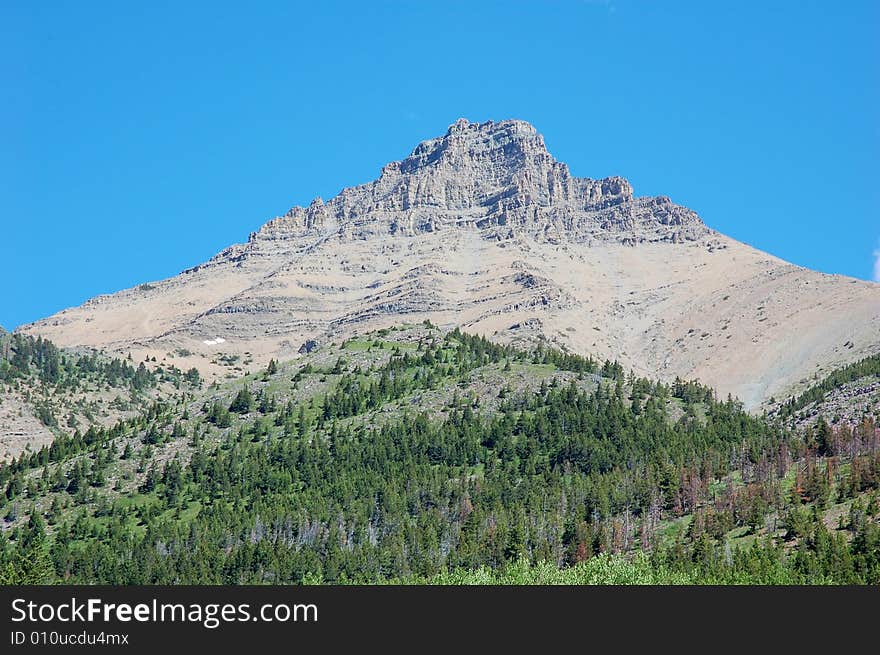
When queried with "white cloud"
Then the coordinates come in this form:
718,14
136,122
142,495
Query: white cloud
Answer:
877,265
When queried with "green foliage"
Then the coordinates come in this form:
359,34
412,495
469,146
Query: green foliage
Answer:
601,570
243,402
562,484
30,563
193,377
24,356
869,366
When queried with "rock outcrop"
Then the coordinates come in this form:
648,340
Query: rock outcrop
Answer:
498,178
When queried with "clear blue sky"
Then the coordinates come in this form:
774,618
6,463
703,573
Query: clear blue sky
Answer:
141,138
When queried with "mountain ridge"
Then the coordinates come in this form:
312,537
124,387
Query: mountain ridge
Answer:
483,174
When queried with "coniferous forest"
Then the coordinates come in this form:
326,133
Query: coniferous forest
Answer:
416,456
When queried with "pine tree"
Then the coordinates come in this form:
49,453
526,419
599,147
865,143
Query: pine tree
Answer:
243,402
824,436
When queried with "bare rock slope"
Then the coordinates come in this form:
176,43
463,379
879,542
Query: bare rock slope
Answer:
483,229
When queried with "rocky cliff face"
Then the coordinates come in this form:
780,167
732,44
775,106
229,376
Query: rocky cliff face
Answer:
499,178
482,228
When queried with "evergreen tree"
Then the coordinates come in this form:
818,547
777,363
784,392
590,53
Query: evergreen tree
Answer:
243,403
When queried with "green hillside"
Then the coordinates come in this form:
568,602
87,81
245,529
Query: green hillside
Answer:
413,455
67,390
847,394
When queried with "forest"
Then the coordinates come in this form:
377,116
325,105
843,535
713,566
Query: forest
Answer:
387,460
864,368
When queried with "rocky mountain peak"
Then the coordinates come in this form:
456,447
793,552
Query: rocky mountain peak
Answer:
508,144
499,177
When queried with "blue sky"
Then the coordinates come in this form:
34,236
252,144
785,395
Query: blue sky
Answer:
140,139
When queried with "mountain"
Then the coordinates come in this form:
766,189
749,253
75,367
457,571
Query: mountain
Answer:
483,229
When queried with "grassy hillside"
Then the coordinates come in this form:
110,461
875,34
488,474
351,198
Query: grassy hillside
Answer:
847,394
48,392
421,456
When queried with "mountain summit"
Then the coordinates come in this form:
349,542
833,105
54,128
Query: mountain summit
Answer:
495,176
483,229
